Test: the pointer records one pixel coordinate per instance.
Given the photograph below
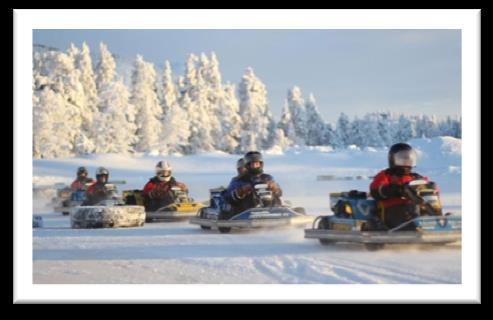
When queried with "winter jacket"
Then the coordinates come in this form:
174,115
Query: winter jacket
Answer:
250,200
380,183
95,193
158,193
80,184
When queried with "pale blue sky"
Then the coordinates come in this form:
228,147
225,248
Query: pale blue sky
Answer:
351,71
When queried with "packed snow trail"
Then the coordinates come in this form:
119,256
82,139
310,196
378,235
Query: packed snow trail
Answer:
182,253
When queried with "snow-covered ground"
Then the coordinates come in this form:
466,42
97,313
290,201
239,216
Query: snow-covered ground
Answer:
182,253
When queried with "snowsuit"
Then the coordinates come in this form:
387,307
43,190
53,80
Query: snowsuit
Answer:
80,183
95,193
394,209
250,201
158,194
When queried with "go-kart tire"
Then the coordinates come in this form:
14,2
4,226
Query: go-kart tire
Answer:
65,213
324,225
205,227
224,229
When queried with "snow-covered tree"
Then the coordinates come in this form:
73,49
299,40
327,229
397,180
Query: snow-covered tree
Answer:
148,111
199,124
457,128
169,89
189,80
175,132
405,130
65,80
53,136
211,95
115,123
106,69
315,126
330,137
87,78
358,136
385,128
344,129
280,141
286,124
296,106
213,75
369,126
254,111
229,117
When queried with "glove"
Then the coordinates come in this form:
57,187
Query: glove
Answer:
243,191
101,191
273,186
392,191
182,186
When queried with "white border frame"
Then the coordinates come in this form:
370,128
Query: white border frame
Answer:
466,20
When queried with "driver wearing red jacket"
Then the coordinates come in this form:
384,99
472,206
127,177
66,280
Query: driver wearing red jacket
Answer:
157,192
387,186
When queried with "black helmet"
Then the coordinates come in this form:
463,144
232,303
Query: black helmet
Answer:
240,163
81,170
253,156
401,155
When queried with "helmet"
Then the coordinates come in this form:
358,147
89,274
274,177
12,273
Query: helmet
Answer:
161,168
240,167
102,172
81,170
402,155
240,163
254,156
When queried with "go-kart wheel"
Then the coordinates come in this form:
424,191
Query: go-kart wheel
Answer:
65,213
205,227
324,225
224,229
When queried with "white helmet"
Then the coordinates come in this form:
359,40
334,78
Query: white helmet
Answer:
163,166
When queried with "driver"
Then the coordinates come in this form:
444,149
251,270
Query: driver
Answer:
388,187
157,192
240,192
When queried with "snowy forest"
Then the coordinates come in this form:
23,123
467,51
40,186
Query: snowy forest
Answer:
81,107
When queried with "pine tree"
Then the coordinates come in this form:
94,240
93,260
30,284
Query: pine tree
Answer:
145,100
229,117
106,69
176,131
286,124
87,78
52,135
170,94
344,130
315,126
330,137
405,130
296,106
115,123
254,111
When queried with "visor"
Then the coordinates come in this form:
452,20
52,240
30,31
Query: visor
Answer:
405,158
